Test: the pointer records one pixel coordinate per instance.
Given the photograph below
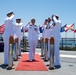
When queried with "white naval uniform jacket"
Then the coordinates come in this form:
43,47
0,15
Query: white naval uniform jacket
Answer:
9,27
47,33
18,30
32,33
56,29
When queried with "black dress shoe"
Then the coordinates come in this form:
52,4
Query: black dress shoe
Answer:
42,55
5,64
57,66
51,68
9,68
15,59
33,60
45,60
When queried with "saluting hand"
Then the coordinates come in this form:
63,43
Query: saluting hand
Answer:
29,23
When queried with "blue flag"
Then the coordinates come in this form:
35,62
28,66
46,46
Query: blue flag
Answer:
22,29
40,29
63,28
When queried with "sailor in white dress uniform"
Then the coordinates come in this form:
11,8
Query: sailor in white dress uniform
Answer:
18,26
9,30
47,34
32,38
57,37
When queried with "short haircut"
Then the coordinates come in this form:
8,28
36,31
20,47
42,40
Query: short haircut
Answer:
33,20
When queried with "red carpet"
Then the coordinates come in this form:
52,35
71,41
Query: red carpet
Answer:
36,65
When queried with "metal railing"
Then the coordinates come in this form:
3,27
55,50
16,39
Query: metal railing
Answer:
65,43
68,43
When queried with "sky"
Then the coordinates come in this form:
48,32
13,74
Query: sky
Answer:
40,10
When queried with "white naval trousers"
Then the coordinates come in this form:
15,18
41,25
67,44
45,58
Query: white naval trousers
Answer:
32,44
57,52
49,48
6,49
19,46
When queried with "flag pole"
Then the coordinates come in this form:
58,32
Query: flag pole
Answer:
74,35
24,46
65,38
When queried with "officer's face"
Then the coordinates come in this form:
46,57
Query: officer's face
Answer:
18,21
33,22
9,15
49,20
45,22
